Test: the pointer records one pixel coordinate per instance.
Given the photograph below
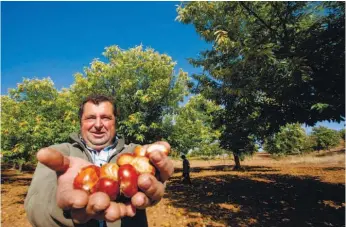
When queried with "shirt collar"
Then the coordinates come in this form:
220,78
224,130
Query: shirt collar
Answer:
106,149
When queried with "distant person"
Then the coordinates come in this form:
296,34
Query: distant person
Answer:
186,170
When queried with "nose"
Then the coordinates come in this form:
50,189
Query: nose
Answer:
98,123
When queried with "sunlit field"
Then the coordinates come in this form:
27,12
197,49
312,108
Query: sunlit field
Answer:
304,190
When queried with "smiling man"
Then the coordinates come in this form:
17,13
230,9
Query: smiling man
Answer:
52,200
98,123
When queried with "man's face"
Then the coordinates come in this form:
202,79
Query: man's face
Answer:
98,125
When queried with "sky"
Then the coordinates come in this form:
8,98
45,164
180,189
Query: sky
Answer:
59,39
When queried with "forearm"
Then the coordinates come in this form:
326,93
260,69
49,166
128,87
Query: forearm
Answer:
40,202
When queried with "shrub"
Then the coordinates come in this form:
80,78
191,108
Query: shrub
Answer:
291,139
325,138
342,133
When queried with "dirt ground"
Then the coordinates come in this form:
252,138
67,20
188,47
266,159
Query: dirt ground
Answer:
300,191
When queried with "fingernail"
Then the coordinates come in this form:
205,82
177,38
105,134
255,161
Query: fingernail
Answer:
133,210
140,201
145,183
156,157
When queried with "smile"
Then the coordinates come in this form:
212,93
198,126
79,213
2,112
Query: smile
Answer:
99,134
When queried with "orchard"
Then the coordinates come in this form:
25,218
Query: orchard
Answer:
268,72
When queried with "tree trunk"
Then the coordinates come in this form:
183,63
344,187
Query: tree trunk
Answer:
20,167
237,162
14,165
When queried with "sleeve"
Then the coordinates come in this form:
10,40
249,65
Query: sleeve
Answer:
139,220
40,202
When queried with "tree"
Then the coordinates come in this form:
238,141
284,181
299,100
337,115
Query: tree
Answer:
271,63
325,138
291,139
192,127
342,133
34,115
143,84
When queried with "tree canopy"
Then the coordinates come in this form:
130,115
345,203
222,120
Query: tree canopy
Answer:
271,63
143,83
34,115
192,127
291,54
325,138
291,139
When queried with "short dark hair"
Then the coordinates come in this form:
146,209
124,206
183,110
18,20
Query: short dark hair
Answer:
183,156
97,99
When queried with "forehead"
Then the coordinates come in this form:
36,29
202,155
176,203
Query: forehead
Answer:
100,108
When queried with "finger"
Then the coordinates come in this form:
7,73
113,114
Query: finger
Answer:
140,200
79,216
117,211
53,159
67,196
68,199
151,187
98,202
163,164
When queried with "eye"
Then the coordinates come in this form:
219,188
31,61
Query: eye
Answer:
90,118
107,118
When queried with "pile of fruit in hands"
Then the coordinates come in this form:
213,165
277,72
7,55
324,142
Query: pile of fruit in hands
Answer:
119,178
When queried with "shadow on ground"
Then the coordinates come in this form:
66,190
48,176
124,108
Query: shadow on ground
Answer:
11,176
229,168
260,199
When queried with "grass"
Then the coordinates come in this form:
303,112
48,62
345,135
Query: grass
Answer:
335,155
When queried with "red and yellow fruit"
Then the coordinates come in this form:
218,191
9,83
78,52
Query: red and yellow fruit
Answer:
87,178
121,177
128,178
108,186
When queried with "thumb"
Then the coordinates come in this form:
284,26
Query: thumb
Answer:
53,159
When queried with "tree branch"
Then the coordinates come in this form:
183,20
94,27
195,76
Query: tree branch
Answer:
283,24
254,14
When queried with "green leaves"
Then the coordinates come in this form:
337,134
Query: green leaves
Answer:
33,116
193,127
291,139
272,63
319,107
144,85
325,138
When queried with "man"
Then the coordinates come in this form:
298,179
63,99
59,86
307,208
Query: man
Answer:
186,170
51,199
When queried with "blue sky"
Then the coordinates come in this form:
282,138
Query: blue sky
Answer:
58,39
